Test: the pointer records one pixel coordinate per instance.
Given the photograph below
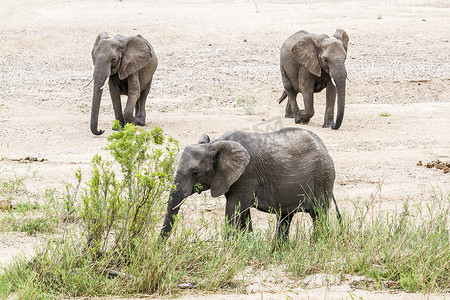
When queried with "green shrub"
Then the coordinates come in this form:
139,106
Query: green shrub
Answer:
120,210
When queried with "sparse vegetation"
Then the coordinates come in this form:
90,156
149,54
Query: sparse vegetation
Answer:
27,212
10,190
247,104
384,114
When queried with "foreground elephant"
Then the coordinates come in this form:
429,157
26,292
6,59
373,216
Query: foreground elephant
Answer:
129,64
309,63
281,172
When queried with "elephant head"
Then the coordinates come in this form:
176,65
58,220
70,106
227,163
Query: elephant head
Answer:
208,165
318,53
119,55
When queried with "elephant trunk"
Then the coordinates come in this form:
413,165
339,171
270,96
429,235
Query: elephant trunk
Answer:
340,80
172,211
177,195
100,79
96,99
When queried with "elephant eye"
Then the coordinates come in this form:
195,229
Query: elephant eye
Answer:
195,172
113,59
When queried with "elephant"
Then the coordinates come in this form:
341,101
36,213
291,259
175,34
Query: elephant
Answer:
309,63
282,172
129,63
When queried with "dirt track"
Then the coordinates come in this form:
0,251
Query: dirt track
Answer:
212,53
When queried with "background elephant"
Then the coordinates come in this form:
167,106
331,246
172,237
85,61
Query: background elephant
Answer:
281,172
129,64
308,64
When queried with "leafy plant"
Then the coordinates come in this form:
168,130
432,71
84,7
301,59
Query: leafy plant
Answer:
118,212
246,104
384,114
197,187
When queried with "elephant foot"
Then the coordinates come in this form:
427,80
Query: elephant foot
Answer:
289,116
303,117
140,122
328,125
300,121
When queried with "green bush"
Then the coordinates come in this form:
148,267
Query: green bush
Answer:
120,210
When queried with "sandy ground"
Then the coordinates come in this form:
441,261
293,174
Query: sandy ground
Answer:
212,53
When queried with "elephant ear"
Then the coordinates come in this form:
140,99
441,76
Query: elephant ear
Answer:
305,51
340,34
137,54
103,35
230,162
204,139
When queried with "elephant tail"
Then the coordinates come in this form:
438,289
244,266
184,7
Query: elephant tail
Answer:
282,97
338,214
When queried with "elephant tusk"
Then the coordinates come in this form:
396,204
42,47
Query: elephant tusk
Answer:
88,83
332,81
181,203
104,85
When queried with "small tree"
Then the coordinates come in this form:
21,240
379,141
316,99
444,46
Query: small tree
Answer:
118,212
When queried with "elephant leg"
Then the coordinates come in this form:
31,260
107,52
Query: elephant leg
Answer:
133,96
283,225
140,106
329,111
114,91
314,214
245,220
319,208
288,111
292,105
237,218
308,112
318,215
237,210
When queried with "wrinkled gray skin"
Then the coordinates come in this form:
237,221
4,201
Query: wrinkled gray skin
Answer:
129,64
281,172
307,63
